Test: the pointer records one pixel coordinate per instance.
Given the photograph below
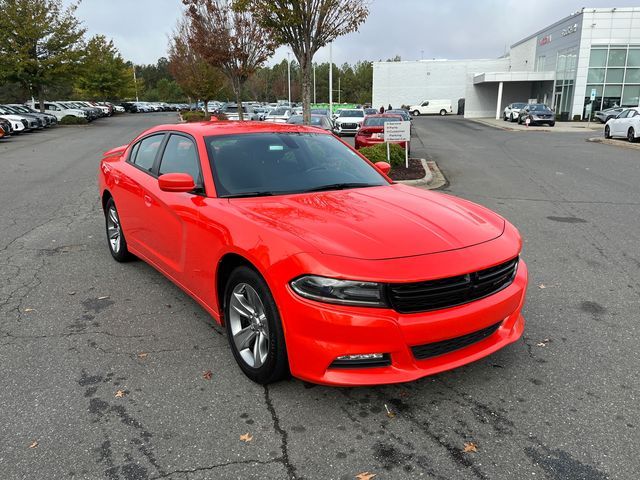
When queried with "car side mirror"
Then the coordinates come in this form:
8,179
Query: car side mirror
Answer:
384,167
176,182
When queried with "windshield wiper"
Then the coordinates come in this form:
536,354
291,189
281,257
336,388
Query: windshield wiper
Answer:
250,194
340,186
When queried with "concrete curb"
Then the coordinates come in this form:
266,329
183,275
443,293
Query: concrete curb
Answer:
432,179
559,128
615,142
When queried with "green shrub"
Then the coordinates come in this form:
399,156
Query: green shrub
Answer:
378,153
72,120
196,116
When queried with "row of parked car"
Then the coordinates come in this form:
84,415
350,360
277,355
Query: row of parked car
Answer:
149,107
19,118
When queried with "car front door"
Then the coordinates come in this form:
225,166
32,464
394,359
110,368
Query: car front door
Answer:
619,124
173,217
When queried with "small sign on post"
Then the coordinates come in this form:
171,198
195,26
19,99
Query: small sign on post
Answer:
398,132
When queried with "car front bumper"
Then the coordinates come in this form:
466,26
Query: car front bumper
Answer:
317,333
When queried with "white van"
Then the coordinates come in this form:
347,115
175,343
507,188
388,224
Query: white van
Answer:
431,107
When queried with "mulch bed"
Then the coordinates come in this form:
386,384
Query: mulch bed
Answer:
414,172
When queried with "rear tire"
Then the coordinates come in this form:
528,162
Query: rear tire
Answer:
607,132
254,329
416,113
115,235
631,135
443,112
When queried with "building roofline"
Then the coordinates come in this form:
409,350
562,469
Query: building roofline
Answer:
573,15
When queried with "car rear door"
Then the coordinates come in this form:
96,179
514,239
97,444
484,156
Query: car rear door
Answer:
137,179
172,217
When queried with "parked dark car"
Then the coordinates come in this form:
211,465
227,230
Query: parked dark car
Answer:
321,121
398,111
537,114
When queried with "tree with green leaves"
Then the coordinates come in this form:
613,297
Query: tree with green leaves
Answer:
229,39
40,44
306,26
195,76
104,75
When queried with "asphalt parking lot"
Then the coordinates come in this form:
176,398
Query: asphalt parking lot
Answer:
77,327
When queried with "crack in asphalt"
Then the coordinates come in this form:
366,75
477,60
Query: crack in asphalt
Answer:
218,465
284,435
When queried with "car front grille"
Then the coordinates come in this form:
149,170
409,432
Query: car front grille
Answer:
349,126
452,291
430,350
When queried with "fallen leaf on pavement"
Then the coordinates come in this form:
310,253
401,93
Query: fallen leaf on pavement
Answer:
390,414
541,344
27,310
34,444
120,393
142,355
207,375
365,476
470,447
72,293
104,297
541,286
247,437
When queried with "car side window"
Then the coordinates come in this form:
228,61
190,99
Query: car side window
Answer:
146,152
180,156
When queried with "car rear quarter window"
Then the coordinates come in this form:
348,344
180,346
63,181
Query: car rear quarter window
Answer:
180,156
146,151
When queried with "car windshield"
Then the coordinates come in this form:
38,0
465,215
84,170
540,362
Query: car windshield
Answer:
320,111
316,120
21,109
256,164
518,105
380,121
352,113
10,109
279,111
538,108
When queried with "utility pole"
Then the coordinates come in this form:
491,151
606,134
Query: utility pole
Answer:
339,96
330,80
289,74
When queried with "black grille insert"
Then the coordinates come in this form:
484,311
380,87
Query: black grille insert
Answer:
429,350
452,291
385,361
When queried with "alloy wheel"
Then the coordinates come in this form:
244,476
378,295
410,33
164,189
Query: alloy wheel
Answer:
114,231
249,325
631,135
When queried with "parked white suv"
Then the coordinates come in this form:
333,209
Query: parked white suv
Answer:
60,111
349,121
512,111
432,107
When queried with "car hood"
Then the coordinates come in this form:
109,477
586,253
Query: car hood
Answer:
376,222
13,117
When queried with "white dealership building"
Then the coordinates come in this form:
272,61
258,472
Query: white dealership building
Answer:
593,53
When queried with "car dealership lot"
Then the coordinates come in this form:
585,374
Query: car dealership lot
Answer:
77,327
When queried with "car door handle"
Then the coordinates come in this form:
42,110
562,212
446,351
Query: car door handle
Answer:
147,200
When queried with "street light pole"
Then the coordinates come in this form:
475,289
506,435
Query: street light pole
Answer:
135,82
314,83
289,75
330,80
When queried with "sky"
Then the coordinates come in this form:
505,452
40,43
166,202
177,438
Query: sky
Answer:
413,29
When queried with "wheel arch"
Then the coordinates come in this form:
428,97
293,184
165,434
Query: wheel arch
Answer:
226,265
106,196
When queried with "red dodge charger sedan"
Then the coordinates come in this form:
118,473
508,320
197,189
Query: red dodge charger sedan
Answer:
314,261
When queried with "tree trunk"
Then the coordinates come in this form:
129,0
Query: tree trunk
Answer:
206,108
238,88
306,67
40,99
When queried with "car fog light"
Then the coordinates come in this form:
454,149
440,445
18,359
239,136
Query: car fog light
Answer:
362,356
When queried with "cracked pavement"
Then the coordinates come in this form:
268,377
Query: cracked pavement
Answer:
77,327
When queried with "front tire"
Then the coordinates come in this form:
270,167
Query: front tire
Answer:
552,124
443,112
631,135
511,120
416,113
115,236
607,132
254,329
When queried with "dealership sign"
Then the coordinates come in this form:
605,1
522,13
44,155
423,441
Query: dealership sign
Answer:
544,40
569,30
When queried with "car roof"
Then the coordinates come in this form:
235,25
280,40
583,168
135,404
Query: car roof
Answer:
383,115
232,128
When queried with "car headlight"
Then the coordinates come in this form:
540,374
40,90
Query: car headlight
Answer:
344,292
